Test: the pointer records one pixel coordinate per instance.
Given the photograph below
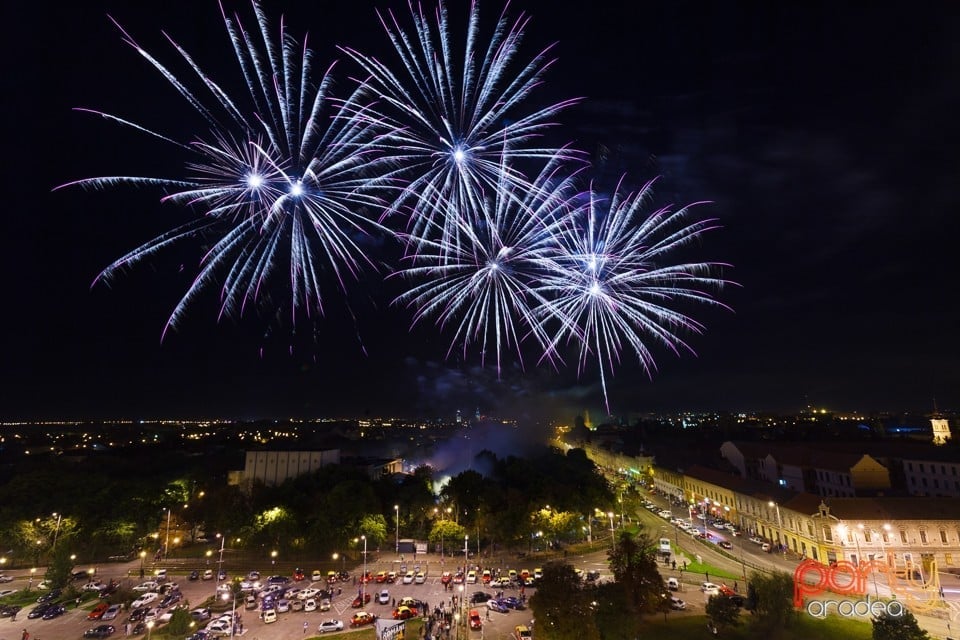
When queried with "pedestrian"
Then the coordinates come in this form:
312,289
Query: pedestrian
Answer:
674,565
25,635
305,625
393,602
14,618
706,576
77,603
736,586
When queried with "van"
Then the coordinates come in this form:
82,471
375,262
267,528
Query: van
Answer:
270,615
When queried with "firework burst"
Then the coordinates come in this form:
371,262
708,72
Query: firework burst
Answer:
282,185
453,125
484,285
614,284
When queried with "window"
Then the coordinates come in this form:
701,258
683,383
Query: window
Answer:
921,467
885,535
849,535
923,536
827,534
903,536
943,536
910,466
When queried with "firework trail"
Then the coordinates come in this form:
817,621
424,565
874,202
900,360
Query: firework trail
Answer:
452,124
286,181
614,284
484,285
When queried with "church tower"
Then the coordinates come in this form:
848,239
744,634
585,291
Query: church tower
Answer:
941,429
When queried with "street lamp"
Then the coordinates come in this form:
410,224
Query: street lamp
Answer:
612,537
363,578
223,540
166,544
396,509
56,531
233,617
782,538
143,554
33,571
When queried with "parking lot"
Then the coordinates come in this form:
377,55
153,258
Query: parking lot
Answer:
289,624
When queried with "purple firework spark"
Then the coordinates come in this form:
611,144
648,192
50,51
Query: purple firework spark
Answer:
485,284
450,119
284,182
614,284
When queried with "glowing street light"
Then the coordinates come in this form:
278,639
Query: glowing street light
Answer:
363,578
396,509
613,542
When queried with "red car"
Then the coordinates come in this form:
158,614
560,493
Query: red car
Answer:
298,575
98,611
404,613
358,603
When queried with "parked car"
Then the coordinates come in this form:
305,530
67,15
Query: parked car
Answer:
194,575
310,604
39,610
6,592
147,598
208,574
475,621
677,603
8,610
200,614
384,597
5,578
98,611
270,615
100,631
112,612
50,596
358,602
54,611
330,625
149,585
403,613
361,618
298,575
710,589
673,584
725,544
498,606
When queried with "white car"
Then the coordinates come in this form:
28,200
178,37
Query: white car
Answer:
310,604
283,605
253,576
292,593
316,576
5,578
677,604
408,577
144,600
709,589
330,625
152,615
384,597
149,585
7,592
308,593
420,578
325,605
207,575
220,626
270,615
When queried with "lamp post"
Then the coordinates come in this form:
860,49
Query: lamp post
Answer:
56,531
613,544
876,590
396,509
166,544
844,530
363,578
780,536
233,610
143,554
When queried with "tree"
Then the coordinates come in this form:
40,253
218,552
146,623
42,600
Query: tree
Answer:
774,598
563,609
902,627
722,612
634,564
60,568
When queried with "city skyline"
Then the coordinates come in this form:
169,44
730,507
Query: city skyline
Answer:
819,140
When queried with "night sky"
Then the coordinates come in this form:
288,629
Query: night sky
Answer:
825,137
